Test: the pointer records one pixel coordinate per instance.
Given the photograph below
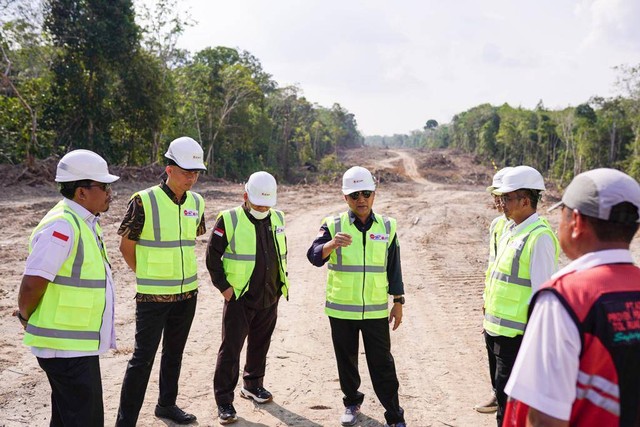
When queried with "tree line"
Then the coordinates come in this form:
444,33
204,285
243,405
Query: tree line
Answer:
94,74
602,132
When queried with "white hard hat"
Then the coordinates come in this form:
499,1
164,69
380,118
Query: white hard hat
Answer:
187,153
262,189
497,178
357,179
520,177
77,165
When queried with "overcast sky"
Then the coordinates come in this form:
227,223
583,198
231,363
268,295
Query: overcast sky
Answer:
396,64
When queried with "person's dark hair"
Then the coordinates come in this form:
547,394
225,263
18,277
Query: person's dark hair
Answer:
621,227
68,189
534,196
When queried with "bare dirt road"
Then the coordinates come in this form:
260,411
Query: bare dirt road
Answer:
439,350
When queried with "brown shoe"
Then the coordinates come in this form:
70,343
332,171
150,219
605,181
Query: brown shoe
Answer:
488,407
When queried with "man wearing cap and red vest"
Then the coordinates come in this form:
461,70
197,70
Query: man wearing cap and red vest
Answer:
363,254
497,227
527,255
579,363
247,261
158,241
66,297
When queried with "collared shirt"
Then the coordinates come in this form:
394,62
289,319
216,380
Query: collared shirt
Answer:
131,228
394,269
265,284
552,335
48,254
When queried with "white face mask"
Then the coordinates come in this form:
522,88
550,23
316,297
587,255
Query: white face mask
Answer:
257,214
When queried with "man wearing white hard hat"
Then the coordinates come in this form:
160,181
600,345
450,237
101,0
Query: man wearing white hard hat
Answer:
579,363
527,255
496,229
158,238
66,298
363,255
247,261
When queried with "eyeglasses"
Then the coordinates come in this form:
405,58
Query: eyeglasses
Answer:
103,186
504,198
356,195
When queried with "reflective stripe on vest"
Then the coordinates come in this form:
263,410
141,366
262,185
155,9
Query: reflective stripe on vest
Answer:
599,391
507,294
239,258
165,254
359,291
69,314
494,237
157,242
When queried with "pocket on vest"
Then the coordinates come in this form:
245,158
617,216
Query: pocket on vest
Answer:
75,307
380,291
507,299
159,264
342,291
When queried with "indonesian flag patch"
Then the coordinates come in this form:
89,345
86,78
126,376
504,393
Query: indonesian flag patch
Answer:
218,232
60,236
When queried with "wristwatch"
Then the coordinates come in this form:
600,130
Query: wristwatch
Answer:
399,299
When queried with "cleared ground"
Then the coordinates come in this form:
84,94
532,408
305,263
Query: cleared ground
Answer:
443,214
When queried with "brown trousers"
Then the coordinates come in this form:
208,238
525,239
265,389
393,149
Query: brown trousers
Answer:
240,323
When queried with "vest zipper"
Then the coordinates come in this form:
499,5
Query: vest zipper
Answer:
280,269
181,253
364,269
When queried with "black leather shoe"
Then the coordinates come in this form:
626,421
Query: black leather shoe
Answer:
174,414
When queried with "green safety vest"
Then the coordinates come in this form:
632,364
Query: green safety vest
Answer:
357,284
239,259
508,290
165,254
69,315
497,228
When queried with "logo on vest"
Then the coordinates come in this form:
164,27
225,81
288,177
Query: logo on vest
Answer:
189,212
517,244
624,321
379,237
279,230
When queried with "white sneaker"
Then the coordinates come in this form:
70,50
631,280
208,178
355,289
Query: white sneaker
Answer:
350,416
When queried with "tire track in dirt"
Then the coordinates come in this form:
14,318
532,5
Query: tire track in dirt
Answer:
443,256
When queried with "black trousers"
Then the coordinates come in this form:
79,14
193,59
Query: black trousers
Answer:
171,321
502,353
240,322
76,391
382,368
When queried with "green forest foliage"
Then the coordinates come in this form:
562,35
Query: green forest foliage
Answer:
599,133
88,74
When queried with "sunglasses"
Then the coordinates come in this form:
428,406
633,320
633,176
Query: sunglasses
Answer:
365,193
104,187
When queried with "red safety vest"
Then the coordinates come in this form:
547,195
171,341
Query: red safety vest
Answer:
604,303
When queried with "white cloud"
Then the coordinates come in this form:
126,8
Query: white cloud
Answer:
613,22
397,64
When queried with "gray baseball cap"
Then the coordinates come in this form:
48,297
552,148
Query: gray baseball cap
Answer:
595,192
